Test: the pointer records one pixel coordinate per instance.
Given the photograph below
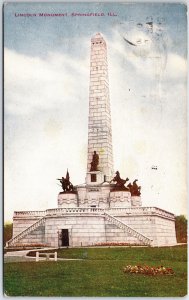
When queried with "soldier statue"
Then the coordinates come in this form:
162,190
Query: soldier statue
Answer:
94,162
134,188
67,186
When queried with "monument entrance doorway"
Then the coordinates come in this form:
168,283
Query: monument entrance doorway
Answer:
65,237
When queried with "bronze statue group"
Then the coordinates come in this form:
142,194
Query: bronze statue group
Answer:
133,188
67,186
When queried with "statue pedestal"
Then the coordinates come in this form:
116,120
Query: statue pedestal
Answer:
94,177
136,201
93,195
120,199
67,200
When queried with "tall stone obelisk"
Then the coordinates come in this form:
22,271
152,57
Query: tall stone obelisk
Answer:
99,124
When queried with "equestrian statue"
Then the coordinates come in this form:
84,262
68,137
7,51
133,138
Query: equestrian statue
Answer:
120,183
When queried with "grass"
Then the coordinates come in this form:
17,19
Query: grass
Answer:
100,273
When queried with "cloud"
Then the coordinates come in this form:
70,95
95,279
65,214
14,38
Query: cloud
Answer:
149,119
176,67
45,128
145,80
33,83
152,54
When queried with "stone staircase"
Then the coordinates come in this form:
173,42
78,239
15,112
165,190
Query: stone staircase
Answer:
144,239
21,235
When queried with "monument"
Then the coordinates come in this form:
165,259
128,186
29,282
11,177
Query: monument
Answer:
99,125
107,208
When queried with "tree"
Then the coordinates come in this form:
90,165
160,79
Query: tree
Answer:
7,232
181,229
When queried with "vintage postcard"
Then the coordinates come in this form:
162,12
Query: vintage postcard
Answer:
95,149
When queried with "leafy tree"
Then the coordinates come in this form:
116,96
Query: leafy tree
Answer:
7,232
181,229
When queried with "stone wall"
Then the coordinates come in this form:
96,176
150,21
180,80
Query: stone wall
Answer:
165,232
37,236
20,224
117,235
83,230
159,229
88,226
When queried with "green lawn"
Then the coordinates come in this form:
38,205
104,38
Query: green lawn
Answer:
100,273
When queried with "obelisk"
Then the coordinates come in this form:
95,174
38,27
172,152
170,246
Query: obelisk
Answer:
99,124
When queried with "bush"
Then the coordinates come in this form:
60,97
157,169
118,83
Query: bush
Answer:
8,229
181,229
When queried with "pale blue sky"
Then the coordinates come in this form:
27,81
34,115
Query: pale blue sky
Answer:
46,99
37,36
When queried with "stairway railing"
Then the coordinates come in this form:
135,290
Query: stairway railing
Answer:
21,235
128,229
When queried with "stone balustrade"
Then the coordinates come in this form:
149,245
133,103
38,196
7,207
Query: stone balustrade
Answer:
163,213
96,210
142,211
75,210
38,213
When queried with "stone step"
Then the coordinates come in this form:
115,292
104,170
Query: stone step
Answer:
128,229
21,235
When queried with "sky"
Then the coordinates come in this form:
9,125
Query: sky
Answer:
46,99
